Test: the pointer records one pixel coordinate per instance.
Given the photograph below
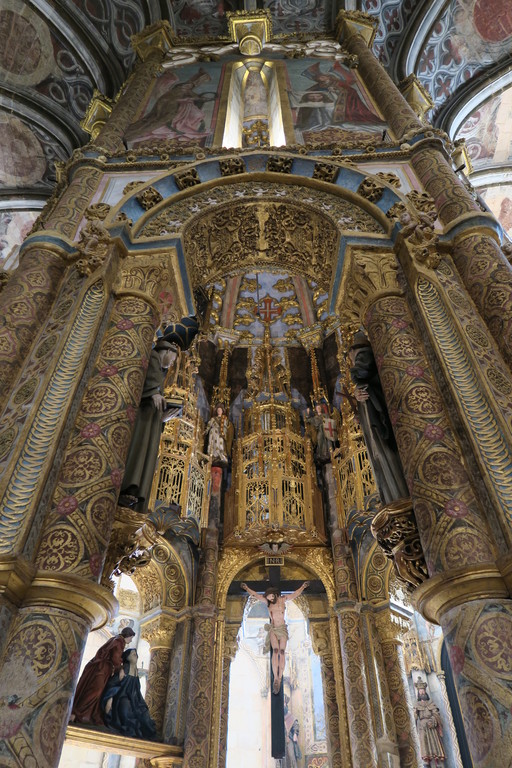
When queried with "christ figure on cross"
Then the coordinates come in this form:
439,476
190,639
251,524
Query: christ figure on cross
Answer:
277,629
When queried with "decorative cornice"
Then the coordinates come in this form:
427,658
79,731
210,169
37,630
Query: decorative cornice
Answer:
73,594
438,595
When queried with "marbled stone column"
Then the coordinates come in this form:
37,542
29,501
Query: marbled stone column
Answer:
202,668
159,631
399,115
151,46
229,652
401,705
322,646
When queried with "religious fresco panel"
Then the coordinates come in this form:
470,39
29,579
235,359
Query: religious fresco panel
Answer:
329,102
182,107
499,200
488,131
14,227
300,16
466,38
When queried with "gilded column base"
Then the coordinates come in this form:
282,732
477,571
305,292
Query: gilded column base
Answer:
449,590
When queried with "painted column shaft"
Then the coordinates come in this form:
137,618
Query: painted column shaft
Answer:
24,304
362,736
202,670
481,263
395,109
401,705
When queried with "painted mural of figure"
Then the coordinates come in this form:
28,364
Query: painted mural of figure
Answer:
429,725
124,708
375,423
177,113
220,437
147,431
334,100
321,429
277,629
108,661
293,752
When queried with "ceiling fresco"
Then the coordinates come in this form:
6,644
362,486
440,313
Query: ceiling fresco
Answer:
53,56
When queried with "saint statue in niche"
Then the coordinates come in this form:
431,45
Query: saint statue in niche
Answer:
429,725
220,437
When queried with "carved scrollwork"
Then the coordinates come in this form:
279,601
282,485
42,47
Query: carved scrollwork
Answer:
97,211
92,247
395,529
232,166
390,178
325,172
149,198
187,178
132,186
371,189
423,202
278,164
130,545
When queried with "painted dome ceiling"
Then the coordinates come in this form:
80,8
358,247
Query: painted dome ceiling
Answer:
53,57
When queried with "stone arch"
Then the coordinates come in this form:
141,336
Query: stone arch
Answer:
318,561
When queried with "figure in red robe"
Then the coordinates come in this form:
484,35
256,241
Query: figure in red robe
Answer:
96,674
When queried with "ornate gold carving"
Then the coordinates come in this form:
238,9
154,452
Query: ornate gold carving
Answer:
130,544
423,202
93,247
349,23
321,638
97,211
250,29
97,113
371,189
149,198
73,594
368,276
326,172
187,178
447,590
156,39
390,178
395,529
279,164
231,166
420,238
110,742
227,238
416,96
159,631
131,186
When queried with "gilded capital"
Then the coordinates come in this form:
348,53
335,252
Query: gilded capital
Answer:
231,640
350,23
321,638
154,40
159,631
369,276
416,96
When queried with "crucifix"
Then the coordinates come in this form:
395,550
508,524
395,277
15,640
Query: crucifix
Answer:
277,639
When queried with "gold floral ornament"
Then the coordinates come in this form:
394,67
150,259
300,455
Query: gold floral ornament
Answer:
98,211
92,248
395,529
420,238
149,198
371,189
